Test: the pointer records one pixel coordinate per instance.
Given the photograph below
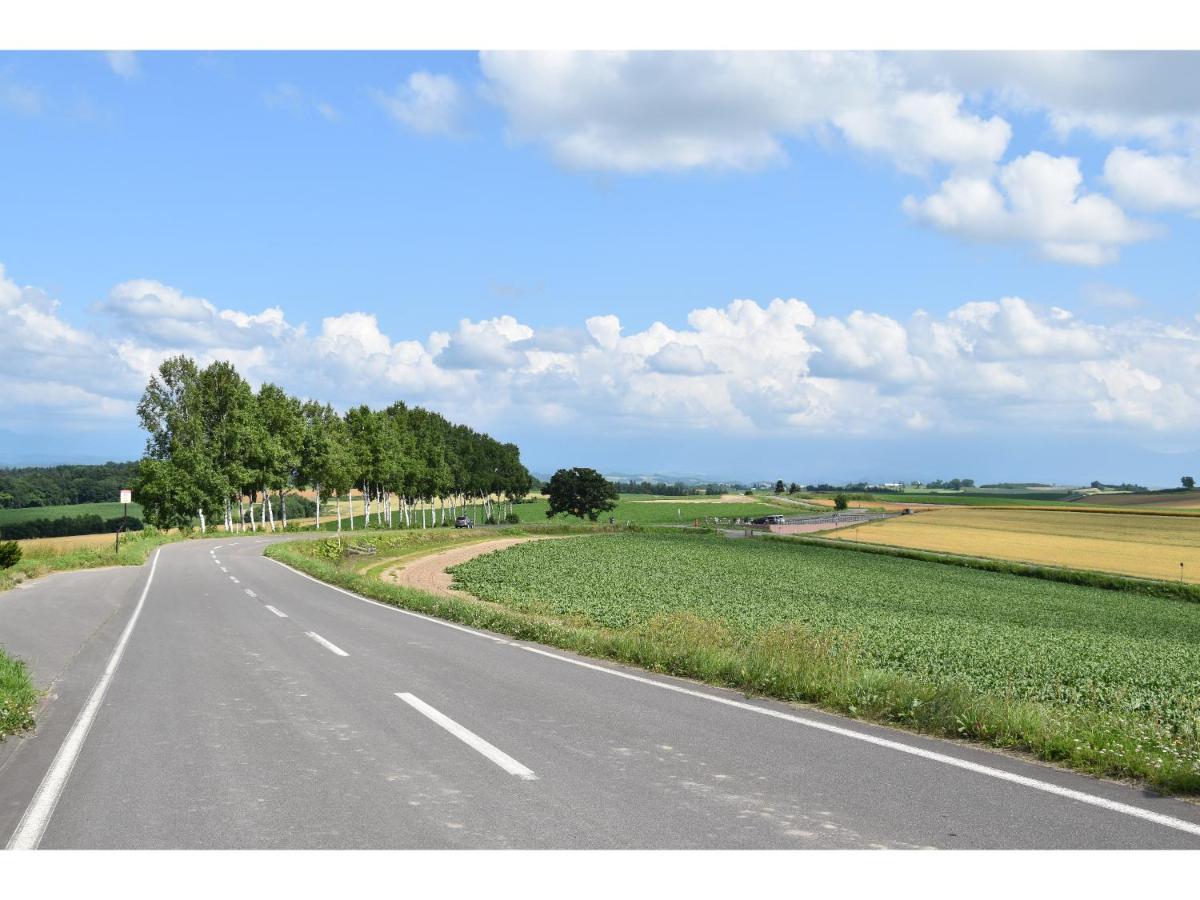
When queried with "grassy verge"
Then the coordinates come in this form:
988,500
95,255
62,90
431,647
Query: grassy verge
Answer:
799,661
42,560
17,696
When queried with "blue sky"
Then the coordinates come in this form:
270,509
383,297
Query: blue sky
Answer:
530,195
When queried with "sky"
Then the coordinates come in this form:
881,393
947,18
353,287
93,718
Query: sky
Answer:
812,266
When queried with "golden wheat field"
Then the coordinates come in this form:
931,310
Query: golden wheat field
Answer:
52,546
1141,545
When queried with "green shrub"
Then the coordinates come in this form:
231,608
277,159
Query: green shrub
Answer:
10,554
512,519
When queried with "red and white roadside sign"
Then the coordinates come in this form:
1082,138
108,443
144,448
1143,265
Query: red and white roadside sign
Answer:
126,495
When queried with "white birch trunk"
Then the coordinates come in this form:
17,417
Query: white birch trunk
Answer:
283,509
201,511
317,520
253,526
241,515
422,513
339,513
270,510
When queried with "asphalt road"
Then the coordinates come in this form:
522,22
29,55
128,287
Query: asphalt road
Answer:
250,706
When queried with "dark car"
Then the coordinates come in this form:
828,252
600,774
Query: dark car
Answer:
767,520
462,522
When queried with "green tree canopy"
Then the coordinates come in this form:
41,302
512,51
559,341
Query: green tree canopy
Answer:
581,493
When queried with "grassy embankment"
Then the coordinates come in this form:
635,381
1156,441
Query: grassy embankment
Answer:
1098,680
41,557
1135,544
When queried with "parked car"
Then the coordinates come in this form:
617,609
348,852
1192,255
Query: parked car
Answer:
767,520
462,522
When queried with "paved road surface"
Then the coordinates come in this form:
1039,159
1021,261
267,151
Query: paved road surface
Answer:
254,707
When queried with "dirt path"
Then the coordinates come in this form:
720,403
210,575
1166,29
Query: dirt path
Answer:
428,573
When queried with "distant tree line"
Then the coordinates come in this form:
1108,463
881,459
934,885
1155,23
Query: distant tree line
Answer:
859,486
65,526
1016,485
216,448
21,488
678,489
1137,488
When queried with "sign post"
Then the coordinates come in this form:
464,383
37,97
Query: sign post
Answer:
126,498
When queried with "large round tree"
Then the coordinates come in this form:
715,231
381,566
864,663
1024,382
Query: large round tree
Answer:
580,492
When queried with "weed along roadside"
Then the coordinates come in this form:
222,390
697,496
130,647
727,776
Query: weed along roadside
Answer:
41,558
18,696
1094,679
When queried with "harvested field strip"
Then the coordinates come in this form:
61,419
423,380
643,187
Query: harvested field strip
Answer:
1140,546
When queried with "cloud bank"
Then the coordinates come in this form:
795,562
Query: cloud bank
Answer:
742,370
926,113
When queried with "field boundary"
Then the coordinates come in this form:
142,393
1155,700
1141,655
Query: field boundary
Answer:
1086,577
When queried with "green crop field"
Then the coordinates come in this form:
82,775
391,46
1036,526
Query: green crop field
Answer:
1119,669
103,510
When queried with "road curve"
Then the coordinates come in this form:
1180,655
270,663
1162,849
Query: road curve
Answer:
254,707
428,573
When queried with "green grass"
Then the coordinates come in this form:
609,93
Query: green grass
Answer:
17,696
44,559
1101,679
1097,680
103,510
633,509
951,499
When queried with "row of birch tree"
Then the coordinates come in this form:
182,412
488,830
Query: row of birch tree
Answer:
218,450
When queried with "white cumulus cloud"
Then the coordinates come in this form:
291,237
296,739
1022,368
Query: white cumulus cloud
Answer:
642,112
744,369
1169,182
427,103
1035,198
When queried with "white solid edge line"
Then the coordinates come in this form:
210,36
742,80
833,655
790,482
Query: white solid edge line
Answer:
28,833
989,771
250,593
396,609
281,615
470,738
1001,774
334,648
